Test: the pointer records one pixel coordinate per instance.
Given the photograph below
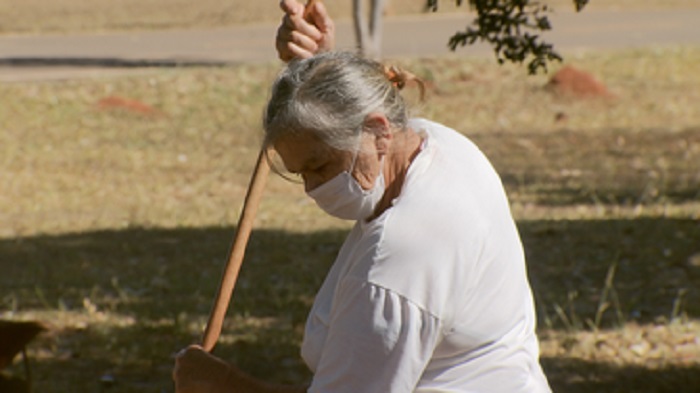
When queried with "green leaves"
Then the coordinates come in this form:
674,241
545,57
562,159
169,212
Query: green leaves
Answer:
511,27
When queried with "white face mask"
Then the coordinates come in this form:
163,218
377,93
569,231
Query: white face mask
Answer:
343,197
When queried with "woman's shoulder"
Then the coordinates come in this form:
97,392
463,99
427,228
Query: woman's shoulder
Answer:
448,142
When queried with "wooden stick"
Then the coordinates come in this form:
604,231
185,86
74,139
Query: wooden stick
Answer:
236,253
235,259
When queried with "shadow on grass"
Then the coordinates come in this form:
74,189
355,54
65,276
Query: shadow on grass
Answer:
145,293
139,358
578,376
656,266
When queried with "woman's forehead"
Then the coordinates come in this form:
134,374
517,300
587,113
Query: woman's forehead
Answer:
301,143
299,150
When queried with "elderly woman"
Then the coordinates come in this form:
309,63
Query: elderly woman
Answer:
429,292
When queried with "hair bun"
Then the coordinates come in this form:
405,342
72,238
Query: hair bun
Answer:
399,77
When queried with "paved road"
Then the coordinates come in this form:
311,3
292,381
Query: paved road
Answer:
69,56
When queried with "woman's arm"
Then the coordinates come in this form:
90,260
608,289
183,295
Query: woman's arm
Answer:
197,371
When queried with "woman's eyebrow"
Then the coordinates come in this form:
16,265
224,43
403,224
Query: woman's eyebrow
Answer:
311,163
316,157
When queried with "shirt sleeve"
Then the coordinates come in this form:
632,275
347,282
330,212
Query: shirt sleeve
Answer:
377,341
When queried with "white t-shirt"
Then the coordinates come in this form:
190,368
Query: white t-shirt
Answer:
432,296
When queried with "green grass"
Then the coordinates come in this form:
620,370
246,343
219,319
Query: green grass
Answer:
114,224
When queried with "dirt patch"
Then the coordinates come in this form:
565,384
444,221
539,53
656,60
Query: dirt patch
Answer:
571,81
129,105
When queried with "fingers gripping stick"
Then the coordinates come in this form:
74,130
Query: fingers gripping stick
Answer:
237,251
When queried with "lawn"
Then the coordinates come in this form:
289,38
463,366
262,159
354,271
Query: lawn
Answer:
120,195
73,16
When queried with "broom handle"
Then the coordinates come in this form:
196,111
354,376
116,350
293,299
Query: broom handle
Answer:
235,259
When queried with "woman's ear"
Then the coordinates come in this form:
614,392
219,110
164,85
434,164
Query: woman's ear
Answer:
378,125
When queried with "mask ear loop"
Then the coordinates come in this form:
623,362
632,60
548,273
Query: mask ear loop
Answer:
354,160
357,153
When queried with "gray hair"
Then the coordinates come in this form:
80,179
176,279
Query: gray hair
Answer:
330,95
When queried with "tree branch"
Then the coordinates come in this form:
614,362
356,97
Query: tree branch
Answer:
512,28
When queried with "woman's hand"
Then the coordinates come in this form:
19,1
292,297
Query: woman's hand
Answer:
196,371
303,32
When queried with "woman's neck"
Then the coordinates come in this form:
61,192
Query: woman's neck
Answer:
405,146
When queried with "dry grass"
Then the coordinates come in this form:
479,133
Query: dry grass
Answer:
38,16
71,16
114,223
